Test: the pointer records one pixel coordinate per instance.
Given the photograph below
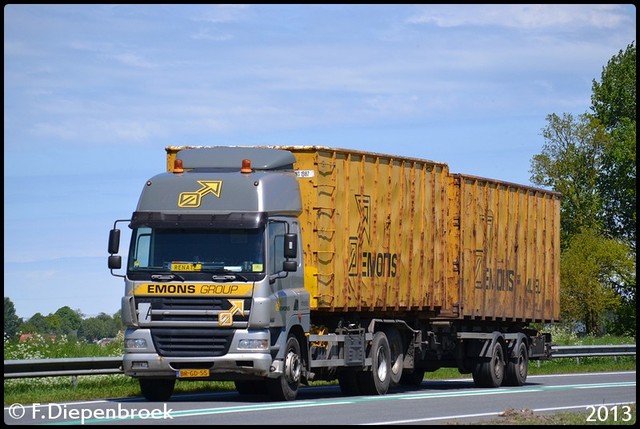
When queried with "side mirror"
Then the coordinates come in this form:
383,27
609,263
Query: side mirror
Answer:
114,241
115,262
289,266
290,245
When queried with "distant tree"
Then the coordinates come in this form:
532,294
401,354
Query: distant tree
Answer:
117,321
613,103
592,268
70,321
11,319
95,328
54,324
570,164
591,161
37,324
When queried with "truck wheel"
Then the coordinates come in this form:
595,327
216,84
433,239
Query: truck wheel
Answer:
285,387
157,389
251,387
490,372
376,381
348,380
413,378
397,354
518,367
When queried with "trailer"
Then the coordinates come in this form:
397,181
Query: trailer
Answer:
272,266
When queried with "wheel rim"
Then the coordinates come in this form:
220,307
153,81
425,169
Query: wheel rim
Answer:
522,363
292,367
382,365
498,367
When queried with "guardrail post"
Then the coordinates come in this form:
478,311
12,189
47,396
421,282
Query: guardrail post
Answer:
74,381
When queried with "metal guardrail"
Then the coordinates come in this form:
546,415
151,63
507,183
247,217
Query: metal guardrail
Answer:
62,366
113,365
593,351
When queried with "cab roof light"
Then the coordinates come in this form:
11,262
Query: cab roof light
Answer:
177,166
246,166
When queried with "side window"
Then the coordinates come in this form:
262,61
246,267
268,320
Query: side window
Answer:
276,246
140,256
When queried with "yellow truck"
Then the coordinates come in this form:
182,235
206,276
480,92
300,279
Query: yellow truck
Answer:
271,266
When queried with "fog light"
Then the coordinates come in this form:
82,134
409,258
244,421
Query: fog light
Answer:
135,343
253,344
139,365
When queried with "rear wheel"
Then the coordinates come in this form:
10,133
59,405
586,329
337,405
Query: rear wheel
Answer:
377,381
157,389
397,354
413,378
490,372
285,387
517,367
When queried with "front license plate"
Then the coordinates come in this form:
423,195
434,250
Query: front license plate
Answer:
193,373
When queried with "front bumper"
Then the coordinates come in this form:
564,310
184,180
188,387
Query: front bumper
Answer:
141,359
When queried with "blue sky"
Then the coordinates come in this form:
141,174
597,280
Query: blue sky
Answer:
94,93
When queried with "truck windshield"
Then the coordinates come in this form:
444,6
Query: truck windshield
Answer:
197,250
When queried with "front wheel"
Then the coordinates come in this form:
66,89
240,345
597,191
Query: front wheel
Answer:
157,389
285,387
377,381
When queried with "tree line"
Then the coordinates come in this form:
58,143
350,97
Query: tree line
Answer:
591,160
64,322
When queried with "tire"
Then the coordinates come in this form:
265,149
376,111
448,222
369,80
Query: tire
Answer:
348,380
490,372
157,389
377,381
285,387
413,378
397,354
517,367
251,387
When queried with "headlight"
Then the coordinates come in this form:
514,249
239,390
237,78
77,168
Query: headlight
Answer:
135,343
253,345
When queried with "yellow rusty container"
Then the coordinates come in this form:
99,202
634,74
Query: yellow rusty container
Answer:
507,245
397,236
374,230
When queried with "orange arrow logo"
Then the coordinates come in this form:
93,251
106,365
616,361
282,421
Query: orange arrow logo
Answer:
193,199
226,318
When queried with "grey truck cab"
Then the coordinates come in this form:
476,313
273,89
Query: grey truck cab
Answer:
214,282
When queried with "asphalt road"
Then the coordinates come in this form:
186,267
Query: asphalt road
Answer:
434,402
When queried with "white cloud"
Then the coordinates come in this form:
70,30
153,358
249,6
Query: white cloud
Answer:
224,13
108,131
206,34
528,16
133,60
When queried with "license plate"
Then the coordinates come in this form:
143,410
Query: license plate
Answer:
193,373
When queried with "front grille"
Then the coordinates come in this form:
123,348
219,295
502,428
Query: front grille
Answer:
188,342
191,309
